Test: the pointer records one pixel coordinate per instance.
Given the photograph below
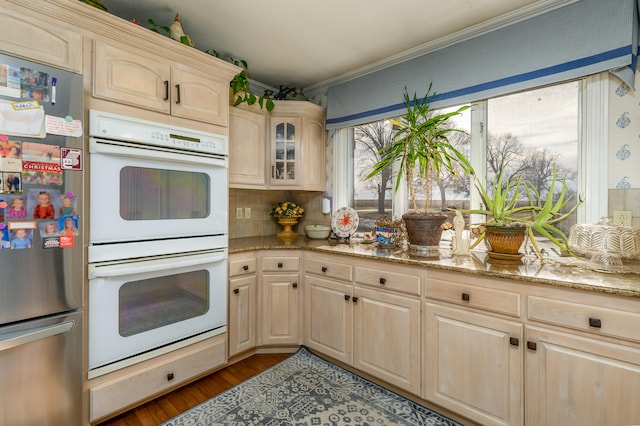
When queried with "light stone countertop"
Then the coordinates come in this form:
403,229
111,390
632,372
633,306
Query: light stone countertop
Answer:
559,271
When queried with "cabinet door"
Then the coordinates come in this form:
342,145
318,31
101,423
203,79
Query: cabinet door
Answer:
473,365
129,76
314,155
329,317
285,151
199,97
280,309
242,312
387,337
247,148
573,380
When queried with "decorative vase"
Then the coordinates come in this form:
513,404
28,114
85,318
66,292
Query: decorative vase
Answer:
423,230
287,223
504,240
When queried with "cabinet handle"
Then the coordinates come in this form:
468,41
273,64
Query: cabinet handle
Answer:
324,269
355,299
466,297
166,90
236,291
177,93
347,297
273,171
169,377
245,268
294,285
279,264
383,281
532,346
595,323
514,341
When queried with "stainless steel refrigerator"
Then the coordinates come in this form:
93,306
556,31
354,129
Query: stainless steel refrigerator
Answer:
41,239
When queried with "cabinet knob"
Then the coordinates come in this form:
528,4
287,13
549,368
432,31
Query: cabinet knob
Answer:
347,297
166,90
355,299
294,285
169,377
236,291
514,341
466,297
532,345
245,268
383,281
279,264
177,93
595,323
324,269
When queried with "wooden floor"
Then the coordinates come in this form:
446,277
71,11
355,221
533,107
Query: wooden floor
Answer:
170,405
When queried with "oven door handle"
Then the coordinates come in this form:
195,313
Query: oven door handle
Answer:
97,146
139,267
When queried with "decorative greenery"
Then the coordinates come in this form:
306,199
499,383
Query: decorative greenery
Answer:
156,28
422,146
95,3
287,209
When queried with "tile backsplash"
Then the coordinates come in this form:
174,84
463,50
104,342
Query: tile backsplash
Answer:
261,201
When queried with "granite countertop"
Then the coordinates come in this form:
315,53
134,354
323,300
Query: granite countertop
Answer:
559,271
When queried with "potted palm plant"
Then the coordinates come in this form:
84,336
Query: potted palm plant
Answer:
421,148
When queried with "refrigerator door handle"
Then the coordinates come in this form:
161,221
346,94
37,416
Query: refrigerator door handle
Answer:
23,337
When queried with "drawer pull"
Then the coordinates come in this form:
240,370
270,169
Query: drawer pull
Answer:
279,264
245,268
294,285
355,299
383,281
595,323
514,341
236,290
169,377
324,269
347,297
532,346
466,297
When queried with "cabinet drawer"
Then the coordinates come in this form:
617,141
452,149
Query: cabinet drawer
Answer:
380,278
329,269
112,396
242,266
280,263
488,299
606,321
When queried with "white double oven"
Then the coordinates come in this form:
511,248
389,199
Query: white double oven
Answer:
157,239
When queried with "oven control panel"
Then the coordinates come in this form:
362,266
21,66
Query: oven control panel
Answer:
122,128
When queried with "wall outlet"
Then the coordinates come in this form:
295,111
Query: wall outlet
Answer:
622,217
247,212
239,213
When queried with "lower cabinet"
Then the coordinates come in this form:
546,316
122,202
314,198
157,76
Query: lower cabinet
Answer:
280,319
242,314
575,380
474,364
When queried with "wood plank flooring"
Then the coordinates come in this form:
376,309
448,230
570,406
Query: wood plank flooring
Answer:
170,405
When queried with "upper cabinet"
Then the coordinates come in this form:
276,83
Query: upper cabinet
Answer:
134,77
30,35
294,147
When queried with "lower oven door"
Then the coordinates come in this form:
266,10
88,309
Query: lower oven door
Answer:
139,306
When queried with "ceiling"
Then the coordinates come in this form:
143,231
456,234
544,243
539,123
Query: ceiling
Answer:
298,43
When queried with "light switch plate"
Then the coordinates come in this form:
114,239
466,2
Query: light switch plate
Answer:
622,217
239,213
247,212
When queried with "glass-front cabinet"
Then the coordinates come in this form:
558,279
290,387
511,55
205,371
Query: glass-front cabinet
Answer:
285,150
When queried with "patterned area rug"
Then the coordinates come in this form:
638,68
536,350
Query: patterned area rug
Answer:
305,390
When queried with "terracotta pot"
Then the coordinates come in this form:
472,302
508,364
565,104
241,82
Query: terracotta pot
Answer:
505,239
423,230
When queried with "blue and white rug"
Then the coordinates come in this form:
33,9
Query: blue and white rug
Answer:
305,390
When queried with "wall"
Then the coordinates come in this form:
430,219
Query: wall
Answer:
260,202
624,148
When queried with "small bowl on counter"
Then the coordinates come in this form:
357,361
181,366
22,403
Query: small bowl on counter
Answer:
317,232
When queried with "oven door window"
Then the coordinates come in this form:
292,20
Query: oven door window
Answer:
157,302
161,194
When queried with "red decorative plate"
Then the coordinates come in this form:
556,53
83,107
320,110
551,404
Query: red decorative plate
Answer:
345,222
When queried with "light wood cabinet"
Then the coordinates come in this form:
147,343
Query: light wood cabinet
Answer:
135,77
474,364
280,299
242,303
292,151
37,37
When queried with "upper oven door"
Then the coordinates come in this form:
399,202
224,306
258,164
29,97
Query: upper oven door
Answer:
142,194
